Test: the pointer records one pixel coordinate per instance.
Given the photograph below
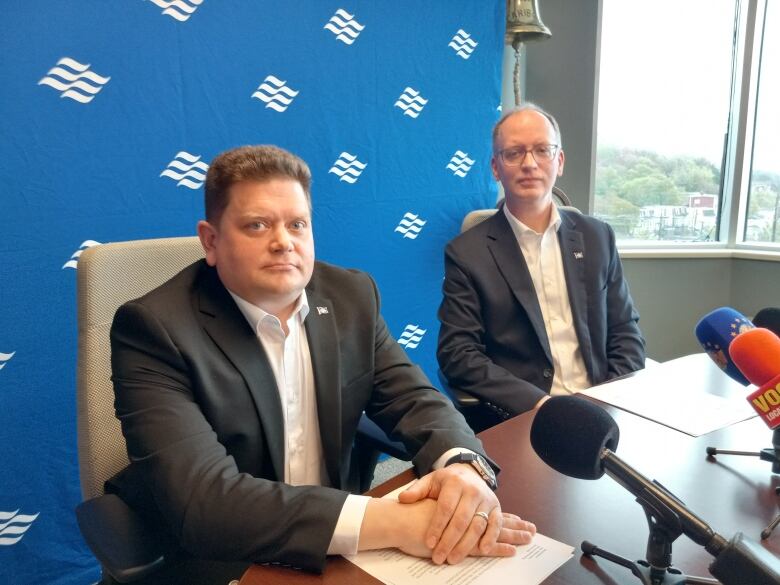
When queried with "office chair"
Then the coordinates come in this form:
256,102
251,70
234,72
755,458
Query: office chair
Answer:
477,216
479,414
108,276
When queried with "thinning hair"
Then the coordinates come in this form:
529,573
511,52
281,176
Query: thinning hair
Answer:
525,107
250,163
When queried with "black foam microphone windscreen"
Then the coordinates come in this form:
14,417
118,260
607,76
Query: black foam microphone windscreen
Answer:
569,434
768,318
578,439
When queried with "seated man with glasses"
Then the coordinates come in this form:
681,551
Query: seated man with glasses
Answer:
535,303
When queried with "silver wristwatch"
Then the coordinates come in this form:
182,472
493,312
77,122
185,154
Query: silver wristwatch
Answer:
479,463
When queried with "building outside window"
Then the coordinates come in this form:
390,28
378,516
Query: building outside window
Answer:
665,96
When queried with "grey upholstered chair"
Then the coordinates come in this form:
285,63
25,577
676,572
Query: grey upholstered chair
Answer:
108,276
472,218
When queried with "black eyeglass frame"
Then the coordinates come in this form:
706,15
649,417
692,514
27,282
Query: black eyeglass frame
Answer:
535,151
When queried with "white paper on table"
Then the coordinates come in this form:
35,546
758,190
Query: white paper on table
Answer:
693,413
531,564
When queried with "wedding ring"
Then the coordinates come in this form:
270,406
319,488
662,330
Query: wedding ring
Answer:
482,515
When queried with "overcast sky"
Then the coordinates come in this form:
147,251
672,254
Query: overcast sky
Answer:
666,75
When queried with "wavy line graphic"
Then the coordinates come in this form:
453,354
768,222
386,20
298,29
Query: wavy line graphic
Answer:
193,170
13,526
411,102
463,44
275,93
5,357
74,259
344,26
411,336
74,80
178,9
460,163
410,226
347,168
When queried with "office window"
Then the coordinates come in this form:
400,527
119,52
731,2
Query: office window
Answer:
761,224
663,113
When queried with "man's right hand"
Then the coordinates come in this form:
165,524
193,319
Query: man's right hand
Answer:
388,523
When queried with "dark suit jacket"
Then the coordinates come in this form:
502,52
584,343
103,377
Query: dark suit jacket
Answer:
202,417
492,341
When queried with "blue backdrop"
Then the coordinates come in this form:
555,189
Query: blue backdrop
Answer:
110,112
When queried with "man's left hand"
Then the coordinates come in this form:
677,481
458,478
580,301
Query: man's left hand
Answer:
456,529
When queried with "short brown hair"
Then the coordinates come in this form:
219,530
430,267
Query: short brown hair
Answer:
250,163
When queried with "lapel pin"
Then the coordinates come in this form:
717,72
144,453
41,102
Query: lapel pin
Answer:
322,310
578,255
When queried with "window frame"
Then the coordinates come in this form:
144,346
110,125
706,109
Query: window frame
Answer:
737,162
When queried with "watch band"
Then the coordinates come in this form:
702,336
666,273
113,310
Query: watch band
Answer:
479,464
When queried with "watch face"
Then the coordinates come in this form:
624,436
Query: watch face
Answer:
480,465
487,471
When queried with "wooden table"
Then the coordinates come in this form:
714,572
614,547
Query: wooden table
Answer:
731,493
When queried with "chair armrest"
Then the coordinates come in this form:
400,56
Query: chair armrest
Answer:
462,399
372,435
118,538
479,414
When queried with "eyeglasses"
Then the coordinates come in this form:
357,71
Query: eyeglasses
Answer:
543,153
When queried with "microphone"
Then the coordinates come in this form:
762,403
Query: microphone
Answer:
768,318
591,437
756,353
715,332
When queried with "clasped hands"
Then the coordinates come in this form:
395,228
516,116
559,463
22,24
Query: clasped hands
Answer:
443,516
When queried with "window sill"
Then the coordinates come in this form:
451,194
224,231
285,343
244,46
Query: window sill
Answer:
740,253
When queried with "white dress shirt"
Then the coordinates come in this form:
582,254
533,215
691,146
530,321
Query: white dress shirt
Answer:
542,253
304,463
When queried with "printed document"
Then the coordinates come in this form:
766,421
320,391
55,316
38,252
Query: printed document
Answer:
685,405
531,565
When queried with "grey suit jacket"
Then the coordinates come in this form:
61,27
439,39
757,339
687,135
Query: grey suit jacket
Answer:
201,413
492,341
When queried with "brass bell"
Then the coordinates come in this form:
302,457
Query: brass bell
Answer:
523,22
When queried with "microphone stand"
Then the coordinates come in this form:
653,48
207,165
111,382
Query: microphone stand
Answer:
767,532
657,567
771,454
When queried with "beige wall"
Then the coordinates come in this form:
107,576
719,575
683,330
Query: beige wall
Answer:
673,294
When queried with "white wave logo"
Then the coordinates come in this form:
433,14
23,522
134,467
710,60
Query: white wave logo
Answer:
460,163
344,26
74,259
275,93
411,337
347,167
13,525
74,80
5,358
181,10
410,226
463,44
187,169
411,102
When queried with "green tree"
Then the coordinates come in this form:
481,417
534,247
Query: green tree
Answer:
762,198
651,190
696,176
628,179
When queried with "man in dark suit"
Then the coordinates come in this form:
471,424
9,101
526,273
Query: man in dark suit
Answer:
239,385
535,302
